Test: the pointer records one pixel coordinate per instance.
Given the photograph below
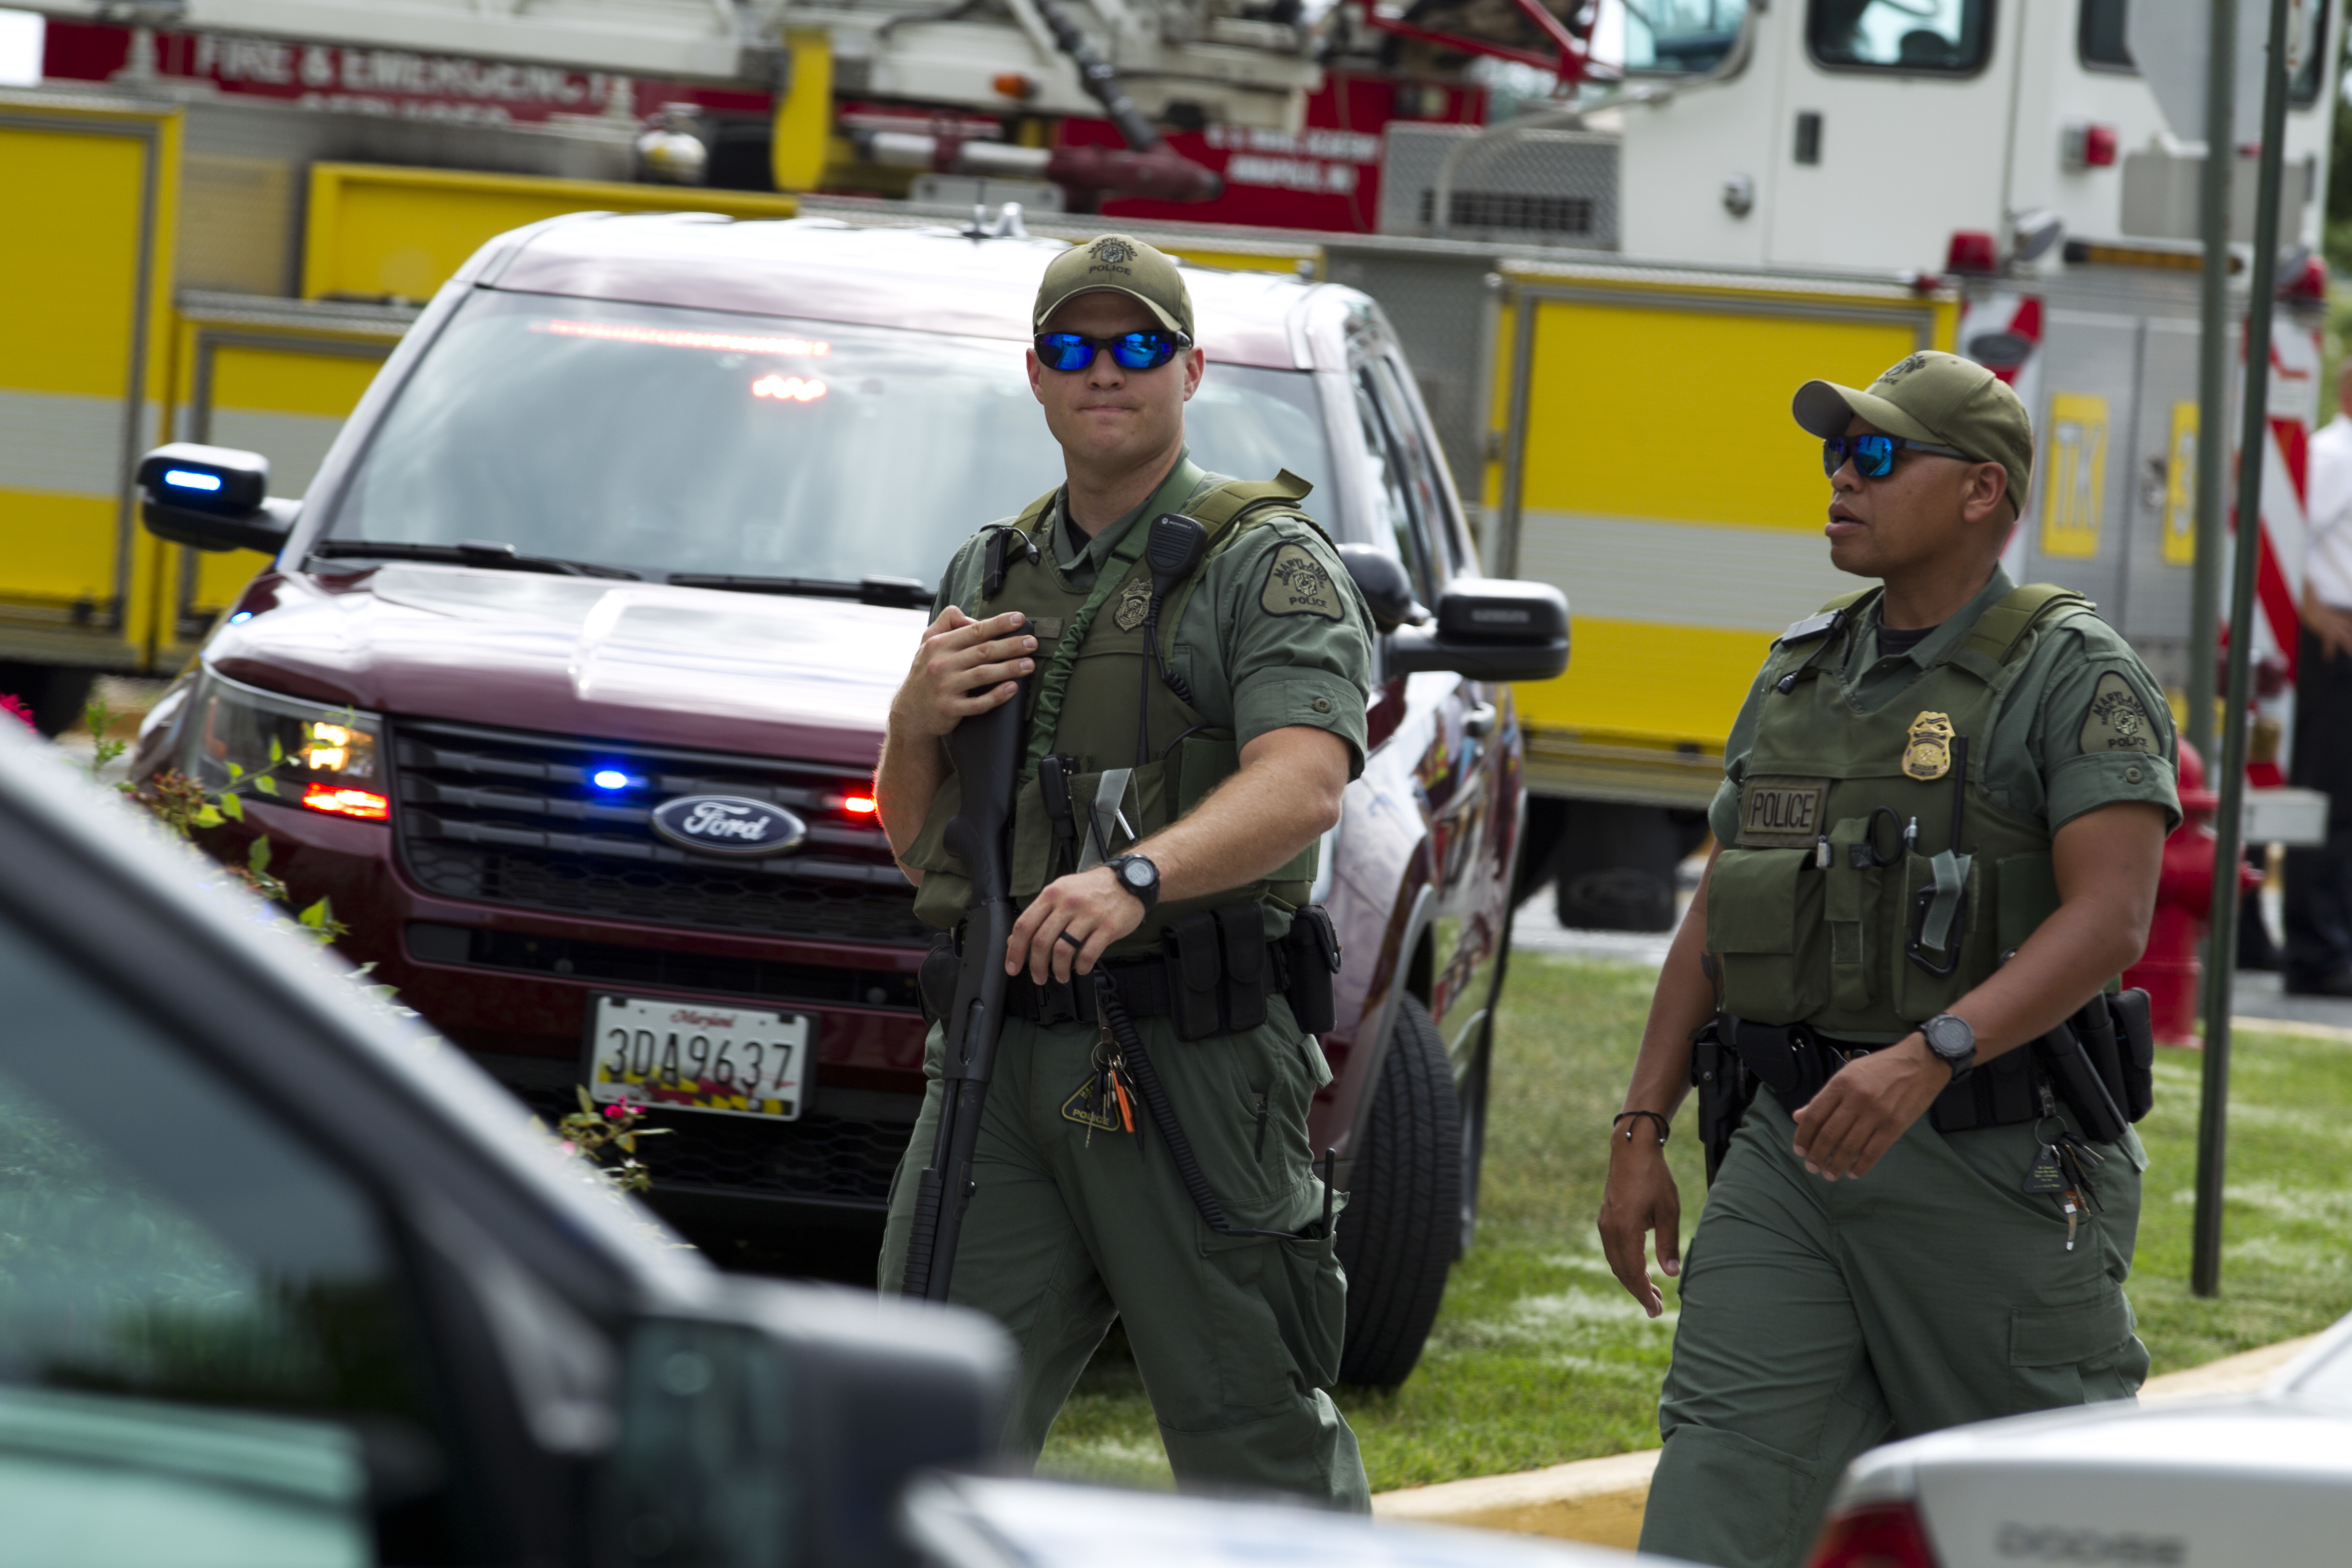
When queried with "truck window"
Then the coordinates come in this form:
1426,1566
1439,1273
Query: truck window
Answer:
1395,525
166,1239
1947,38
1419,460
2099,40
2099,36
1678,34
667,440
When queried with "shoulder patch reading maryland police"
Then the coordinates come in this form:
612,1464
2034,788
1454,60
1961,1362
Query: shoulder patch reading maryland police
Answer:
2116,721
1296,584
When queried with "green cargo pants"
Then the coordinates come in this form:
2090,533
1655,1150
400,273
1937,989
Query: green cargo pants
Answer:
1820,1318
1236,1336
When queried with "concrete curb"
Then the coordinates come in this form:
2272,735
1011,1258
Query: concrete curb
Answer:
1601,1500
2334,1032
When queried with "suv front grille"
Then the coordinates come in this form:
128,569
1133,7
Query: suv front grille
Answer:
507,816
714,973
842,1159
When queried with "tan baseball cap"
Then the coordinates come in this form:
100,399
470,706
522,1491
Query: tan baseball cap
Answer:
1936,397
1117,264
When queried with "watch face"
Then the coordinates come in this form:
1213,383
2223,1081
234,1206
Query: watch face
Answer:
1136,874
1949,1037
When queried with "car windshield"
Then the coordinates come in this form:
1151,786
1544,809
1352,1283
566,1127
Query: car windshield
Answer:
669,441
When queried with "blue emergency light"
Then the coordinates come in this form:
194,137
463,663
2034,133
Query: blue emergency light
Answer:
220,481
609,778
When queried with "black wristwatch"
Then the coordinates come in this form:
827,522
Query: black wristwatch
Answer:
1954,1041
1138,876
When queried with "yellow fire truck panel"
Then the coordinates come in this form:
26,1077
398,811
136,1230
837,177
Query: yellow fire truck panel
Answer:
1649,469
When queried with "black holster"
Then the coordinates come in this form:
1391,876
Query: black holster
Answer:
1310,964
1726,1089
2102,1063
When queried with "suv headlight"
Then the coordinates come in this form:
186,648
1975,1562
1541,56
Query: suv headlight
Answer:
322,757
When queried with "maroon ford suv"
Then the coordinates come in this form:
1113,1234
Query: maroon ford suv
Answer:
580,648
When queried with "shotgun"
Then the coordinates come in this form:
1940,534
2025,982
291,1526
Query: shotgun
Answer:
986,750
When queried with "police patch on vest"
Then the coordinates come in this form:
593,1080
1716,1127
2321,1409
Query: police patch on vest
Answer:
1296,584
1927,754
1134,603
2117,720
1781,814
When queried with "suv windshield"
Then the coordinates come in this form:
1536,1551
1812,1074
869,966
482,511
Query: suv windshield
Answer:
665,441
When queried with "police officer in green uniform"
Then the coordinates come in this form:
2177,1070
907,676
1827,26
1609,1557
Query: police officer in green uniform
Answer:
1187,743
1938,835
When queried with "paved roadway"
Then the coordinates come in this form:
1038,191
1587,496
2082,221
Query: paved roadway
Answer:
2257,995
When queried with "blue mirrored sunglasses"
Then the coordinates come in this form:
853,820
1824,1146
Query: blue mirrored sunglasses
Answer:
1132,351
1873,456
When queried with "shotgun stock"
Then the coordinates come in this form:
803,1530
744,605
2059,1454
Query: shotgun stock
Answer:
986,749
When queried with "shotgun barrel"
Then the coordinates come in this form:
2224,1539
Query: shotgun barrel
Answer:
986,750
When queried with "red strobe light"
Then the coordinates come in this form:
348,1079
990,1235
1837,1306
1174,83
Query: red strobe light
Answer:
363,804
1875,1535
2308,282
863,804
1972,250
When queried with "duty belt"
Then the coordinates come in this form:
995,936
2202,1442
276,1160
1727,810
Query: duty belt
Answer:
1146,988
1212,975
1794,1060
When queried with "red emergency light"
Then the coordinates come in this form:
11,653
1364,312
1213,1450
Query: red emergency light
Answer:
363,804
862,805
2308,282
1972,250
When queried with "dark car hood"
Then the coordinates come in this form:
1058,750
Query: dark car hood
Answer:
590,658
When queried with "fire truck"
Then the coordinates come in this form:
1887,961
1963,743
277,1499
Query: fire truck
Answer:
1605,301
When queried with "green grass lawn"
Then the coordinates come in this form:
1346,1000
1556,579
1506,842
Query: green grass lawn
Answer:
1539,1356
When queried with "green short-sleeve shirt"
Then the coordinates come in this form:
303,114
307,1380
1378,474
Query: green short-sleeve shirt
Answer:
1274,636
2084,725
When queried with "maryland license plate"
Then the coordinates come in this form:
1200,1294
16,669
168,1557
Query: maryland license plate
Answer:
699,1055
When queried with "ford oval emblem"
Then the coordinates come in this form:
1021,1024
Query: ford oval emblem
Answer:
727,824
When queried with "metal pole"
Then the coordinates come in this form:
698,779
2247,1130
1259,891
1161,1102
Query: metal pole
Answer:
2253,440
2212,372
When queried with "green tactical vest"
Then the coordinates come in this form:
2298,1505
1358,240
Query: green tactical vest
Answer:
1093,669
1815,908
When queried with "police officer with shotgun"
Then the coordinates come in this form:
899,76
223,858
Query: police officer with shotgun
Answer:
1108,773
1938,836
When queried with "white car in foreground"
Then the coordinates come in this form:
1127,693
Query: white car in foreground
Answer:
2263,1479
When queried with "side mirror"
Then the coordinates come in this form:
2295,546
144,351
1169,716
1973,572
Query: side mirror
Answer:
213,497
1381,579
784,1427
1489,628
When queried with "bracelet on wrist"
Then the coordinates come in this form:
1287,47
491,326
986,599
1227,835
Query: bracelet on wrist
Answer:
1665,1127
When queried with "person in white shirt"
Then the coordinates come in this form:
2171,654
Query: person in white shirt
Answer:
2318,903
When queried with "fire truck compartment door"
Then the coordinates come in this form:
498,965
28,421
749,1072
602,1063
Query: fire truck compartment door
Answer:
282,388
89,185
1652,471
391,234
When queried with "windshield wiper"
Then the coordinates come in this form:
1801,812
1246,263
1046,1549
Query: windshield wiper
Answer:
896,592
471,553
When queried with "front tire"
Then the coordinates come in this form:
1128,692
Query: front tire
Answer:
1405,1218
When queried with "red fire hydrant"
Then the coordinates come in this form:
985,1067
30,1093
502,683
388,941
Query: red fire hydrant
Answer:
2168,970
